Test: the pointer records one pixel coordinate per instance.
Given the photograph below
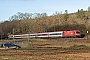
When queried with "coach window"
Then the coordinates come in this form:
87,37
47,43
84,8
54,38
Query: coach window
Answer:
32,35
42,34
56,34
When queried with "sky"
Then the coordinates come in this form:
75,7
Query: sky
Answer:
9,8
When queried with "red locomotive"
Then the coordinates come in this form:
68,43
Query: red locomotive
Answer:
71,33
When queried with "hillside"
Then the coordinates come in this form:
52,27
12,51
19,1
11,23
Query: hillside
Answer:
40,22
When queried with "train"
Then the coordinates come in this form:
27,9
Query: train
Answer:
56,34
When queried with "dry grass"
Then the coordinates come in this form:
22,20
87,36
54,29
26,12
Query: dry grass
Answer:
50,54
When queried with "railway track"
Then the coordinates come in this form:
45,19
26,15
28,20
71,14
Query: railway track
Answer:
68,39
75,38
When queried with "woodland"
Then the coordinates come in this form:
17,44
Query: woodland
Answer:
23,23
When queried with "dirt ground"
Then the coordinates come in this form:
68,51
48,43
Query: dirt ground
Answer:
49,54
43,55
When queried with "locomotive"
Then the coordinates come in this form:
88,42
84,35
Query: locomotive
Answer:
56,34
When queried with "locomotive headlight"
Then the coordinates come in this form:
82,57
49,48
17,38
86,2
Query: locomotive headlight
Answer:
71,33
